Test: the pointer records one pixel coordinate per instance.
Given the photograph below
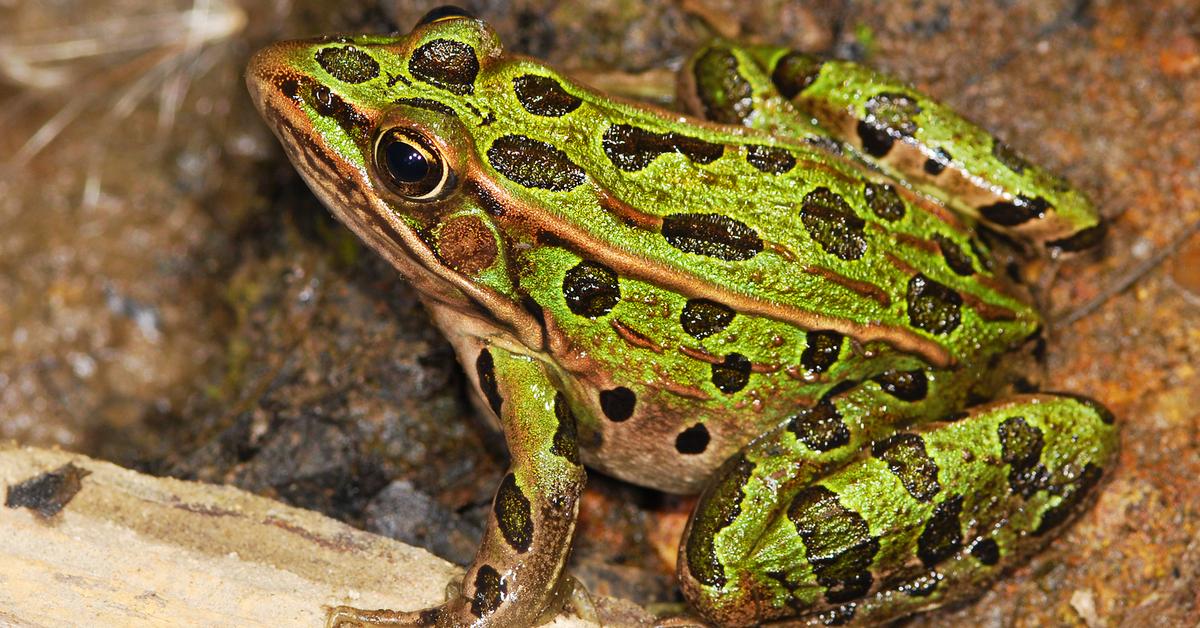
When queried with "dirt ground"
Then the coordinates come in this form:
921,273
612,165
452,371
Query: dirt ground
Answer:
176,301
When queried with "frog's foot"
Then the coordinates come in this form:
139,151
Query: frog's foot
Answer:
514,579
917,520
680,621
574,598
350,617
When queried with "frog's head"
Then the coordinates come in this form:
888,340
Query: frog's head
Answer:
386,131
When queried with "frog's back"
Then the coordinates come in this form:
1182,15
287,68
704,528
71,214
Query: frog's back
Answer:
700,284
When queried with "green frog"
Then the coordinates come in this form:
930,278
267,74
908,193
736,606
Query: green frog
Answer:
783,300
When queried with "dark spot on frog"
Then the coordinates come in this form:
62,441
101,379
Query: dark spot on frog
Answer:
1079,241
820,427
632,148
1018,211
618,403
890,116
822,350
714,235
565,442
46,494
490,590
794,72
725,95
986,551
591,289
1021,449
466,244
932,306
942,536
534,164
937,163
544,96
719,506
702,318
883,199
837,543
430,616
875,142
904,385
770,159
445,63
693,440
955,257
906,458
731,374
348,64
832,223
1072,501
513,514
485,370
427,104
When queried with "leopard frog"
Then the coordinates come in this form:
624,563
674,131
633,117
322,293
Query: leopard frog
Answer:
781,301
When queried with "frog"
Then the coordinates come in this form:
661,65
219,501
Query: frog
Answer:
786,299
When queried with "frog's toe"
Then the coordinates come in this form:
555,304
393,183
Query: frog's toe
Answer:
350,617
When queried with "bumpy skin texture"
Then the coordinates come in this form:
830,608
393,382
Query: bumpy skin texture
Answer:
688,304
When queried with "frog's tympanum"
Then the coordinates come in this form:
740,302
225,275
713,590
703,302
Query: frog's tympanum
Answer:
781,301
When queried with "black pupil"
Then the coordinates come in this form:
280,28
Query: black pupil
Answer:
405,162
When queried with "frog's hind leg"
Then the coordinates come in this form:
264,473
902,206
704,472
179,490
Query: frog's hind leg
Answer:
515,575
920,519
892,127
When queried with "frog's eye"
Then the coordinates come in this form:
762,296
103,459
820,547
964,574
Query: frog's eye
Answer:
411,165
444,12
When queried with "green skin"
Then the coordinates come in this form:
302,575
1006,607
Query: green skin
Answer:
755,308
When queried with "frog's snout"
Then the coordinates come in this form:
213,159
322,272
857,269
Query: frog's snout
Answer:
265,80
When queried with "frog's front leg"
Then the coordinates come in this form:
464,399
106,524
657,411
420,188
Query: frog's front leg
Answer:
513,578
919,519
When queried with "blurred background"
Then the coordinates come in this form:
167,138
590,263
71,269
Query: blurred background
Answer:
173,299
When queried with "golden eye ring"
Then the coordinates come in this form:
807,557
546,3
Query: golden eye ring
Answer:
411,165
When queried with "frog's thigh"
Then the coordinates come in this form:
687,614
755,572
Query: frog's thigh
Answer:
513,578
921,519
726,83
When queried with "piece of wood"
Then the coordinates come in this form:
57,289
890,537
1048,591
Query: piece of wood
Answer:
134,550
